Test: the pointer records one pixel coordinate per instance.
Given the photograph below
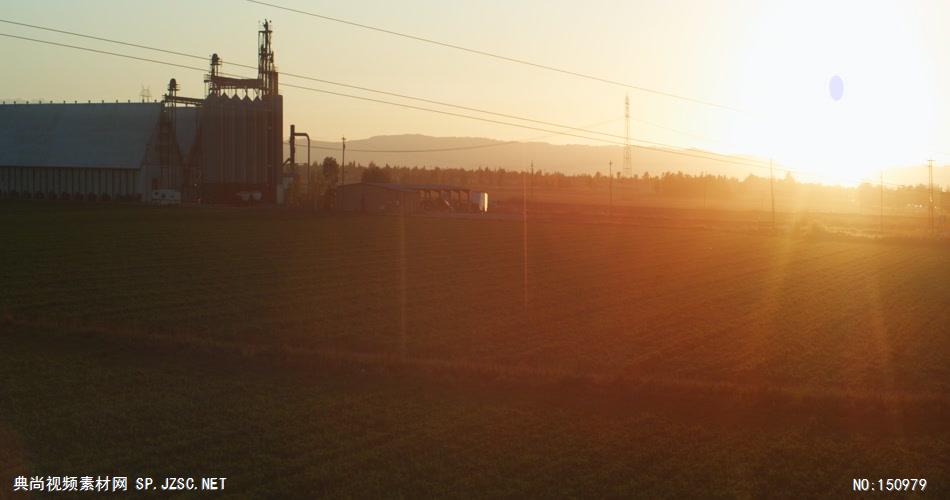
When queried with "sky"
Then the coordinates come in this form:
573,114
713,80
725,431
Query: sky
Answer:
769,61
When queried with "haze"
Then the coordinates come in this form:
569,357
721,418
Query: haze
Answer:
772,60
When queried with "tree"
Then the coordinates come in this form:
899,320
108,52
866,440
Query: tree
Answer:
331,170
375,174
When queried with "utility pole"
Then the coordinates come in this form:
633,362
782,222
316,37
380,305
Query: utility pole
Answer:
524,194
524,221
930,174
627,159
704,190
342,173
772,190
610,188
531,187
882,202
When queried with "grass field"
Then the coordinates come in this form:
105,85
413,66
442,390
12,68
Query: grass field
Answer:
306,355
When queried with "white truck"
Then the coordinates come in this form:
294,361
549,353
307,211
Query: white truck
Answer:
479,201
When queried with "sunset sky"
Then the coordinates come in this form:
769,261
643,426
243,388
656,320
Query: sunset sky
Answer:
771,60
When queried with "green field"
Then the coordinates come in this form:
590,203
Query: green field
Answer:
303,355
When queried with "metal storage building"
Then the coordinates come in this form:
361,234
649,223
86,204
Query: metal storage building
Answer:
214,148
239,129
98,151
377,197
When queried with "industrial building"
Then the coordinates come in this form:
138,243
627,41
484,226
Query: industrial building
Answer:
211,149
371,197
78,151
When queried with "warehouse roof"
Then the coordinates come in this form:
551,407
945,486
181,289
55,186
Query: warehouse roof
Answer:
76,135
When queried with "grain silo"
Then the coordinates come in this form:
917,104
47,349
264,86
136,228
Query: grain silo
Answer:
236,147
219,148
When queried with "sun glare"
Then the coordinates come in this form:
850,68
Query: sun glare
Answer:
840,100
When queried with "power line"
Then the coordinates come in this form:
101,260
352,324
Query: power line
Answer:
407,106
508,143
530,127
435,150
501,57
722,158
355,87
449,149
104,52
101,39
193,56
494,143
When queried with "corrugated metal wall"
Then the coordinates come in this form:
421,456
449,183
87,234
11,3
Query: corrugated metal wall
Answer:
240,145
238,148
361,197
52,150
33,181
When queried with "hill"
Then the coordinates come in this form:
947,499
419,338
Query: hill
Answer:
480,152
475,152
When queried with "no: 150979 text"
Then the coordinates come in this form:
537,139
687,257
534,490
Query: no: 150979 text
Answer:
888,484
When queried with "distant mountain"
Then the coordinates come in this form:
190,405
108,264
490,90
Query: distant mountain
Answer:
474,152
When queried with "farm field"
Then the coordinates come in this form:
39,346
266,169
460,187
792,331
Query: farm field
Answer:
75,406
303,353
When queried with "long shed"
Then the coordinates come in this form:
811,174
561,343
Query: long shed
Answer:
374,197
79,150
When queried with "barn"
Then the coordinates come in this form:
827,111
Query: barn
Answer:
224,146
79,151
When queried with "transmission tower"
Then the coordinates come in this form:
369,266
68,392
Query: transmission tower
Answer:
627,161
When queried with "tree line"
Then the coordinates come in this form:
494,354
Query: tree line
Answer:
324,176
